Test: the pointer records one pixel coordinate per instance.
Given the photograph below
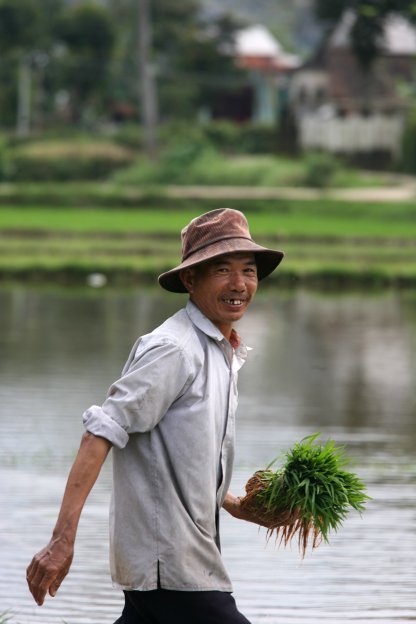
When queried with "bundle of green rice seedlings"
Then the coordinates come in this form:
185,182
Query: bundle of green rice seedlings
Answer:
310,495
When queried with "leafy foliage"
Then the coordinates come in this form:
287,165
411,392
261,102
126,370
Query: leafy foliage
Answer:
87,32
314,488
188,55
67,48
320,169
59,160
408,157
19,24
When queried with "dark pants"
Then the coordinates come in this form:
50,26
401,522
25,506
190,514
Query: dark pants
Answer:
162,606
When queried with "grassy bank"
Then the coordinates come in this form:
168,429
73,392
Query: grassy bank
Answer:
187,158
325,242
185,165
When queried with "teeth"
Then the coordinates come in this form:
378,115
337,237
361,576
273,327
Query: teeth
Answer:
233,301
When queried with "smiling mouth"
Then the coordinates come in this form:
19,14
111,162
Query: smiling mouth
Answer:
234,302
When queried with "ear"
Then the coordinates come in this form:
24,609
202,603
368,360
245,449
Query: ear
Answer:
187,279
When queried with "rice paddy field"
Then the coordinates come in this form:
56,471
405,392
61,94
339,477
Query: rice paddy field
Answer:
324,240
339,363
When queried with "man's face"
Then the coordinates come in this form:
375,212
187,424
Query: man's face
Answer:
223,288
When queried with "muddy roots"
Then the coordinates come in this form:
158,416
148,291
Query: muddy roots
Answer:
283,524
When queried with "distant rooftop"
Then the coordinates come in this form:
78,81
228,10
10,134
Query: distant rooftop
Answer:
257,42
399,34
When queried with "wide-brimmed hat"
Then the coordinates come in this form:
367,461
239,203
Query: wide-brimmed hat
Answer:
214,234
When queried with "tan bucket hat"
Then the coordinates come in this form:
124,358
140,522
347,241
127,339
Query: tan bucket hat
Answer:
214,234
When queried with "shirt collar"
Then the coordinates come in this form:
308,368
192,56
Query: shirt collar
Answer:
205,325
202,322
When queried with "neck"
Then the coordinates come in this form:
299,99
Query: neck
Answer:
226,329
231,335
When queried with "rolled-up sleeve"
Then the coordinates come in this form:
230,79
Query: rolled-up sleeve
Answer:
99,423
157,375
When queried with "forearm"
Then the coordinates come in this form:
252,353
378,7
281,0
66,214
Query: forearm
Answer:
84,473
50,565
232,505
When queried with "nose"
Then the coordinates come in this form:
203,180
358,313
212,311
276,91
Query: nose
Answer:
237,282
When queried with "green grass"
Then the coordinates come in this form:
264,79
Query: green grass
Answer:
324,241
277,218
93,219
215,169
81,148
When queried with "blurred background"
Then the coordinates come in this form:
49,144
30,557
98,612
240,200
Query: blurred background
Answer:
302,112
120,120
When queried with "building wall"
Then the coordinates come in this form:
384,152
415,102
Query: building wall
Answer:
353,134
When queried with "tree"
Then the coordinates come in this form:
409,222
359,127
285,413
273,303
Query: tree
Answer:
368,28
23,35
193,52
87,32
87,51
187,54
147,91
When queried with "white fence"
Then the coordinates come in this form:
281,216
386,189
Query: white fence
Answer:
352,134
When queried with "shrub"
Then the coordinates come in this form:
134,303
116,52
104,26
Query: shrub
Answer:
224,136
242,138
55,160
179,159
128,134
408,160
258,139
320,169
5,169
182,151
181,132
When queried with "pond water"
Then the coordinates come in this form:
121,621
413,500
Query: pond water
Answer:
344,365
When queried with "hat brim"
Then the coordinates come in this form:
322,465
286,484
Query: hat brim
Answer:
266,259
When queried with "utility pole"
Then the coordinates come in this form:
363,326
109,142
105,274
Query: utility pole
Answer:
23,96
147,82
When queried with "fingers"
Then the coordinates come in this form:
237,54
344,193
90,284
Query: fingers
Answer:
37,582
47,570
55,585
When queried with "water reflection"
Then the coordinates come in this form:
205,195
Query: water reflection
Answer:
341,364
346,361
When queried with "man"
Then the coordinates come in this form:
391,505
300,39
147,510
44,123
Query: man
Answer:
170,422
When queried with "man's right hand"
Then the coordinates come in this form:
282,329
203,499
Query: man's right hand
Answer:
48,569
50,566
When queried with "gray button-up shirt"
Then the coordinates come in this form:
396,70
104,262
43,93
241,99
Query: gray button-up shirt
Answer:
171,419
